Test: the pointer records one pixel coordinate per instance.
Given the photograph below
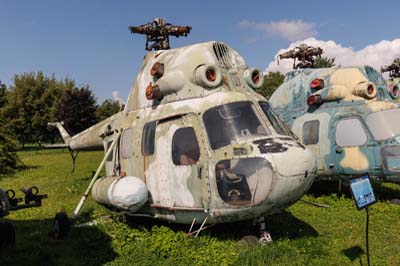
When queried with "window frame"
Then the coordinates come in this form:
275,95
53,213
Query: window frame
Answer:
312,126
148,138
362,126
176,157
276,123
254,108
126,150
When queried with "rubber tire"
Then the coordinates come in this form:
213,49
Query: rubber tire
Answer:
61,226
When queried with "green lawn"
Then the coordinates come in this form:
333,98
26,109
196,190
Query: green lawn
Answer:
303,234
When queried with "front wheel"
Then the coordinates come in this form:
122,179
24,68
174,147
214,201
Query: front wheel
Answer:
61,225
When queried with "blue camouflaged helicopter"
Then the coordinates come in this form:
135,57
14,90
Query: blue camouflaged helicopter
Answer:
345,115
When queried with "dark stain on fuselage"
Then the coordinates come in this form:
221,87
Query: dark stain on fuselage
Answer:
270,146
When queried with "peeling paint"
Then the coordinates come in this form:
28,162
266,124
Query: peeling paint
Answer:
178,193
354,159
348,92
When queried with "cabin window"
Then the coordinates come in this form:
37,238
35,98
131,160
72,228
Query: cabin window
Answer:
350,132
276,123
232,123
185,148
311,132
126,143
384,124
149,132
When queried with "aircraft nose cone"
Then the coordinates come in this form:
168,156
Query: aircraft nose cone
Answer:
296,169
295,161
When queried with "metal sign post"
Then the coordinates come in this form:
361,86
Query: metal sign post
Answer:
363,195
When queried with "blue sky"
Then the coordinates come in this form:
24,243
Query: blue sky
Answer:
89,41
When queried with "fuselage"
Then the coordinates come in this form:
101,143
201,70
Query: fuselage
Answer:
350,131
204,148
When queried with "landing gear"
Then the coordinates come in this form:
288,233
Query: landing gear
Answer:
61,225
265,236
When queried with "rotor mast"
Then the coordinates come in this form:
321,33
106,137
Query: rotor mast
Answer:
157,33
306,55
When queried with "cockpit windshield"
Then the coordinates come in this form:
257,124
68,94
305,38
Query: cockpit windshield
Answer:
233,122
277,124
384,124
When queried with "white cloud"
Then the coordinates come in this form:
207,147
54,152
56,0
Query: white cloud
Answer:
117,98
291,30
375,55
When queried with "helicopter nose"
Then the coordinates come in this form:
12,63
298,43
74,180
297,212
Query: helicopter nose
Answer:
295,161
297,167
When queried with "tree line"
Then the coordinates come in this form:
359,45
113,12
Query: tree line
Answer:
34,99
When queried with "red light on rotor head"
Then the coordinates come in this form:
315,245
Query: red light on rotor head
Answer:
317,84
314,100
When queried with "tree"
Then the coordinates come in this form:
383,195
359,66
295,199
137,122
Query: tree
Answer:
29,105
77,109
324,62
107,109
3,91
9,160
271,82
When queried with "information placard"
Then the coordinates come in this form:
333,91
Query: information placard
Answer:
362,191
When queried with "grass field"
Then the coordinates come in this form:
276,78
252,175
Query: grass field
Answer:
303,234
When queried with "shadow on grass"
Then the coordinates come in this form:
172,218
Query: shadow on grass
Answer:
285,225
383,192
326,187
354,253
83,246
280,225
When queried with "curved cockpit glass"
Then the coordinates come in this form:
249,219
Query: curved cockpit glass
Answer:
384,124
230,123
238,180
276,123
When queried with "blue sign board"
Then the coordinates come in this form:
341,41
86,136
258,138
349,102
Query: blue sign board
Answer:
362,191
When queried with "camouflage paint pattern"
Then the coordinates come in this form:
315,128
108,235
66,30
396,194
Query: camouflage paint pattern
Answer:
180,193
347,93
